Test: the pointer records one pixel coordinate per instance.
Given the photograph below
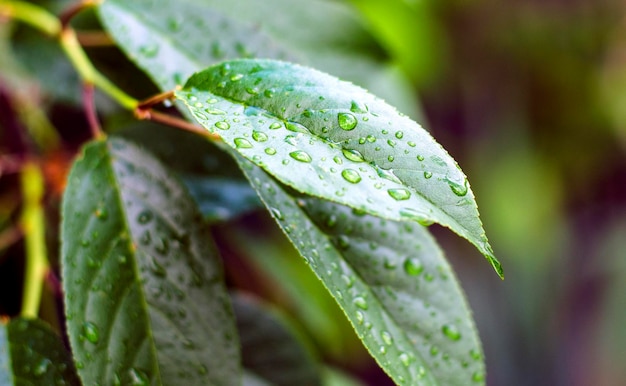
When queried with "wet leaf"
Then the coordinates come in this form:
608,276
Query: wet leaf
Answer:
212,177
171,42
331,139
31,353
392,281
144,294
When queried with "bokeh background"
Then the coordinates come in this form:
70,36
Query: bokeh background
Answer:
528,96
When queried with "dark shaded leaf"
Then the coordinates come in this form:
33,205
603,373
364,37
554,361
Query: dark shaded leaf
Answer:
32,354
145,301
271,349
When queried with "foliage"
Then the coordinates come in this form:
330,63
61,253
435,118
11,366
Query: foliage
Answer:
153,293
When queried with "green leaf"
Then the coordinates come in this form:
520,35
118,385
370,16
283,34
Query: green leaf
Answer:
391,280
212,177
144,293
331,139
32,354
271,347
171,41
174,40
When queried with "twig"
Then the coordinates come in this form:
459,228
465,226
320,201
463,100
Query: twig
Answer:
155,116
90,110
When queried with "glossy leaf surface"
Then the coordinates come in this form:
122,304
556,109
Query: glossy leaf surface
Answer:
391,280
331,139
144,296
32,354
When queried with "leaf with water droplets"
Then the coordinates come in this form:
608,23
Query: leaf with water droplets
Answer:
31,353
211,176
271,349
144,294
318,123
392,281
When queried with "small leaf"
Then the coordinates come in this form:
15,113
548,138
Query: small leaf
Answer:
31,353
144,294
331,139
391,280
270,347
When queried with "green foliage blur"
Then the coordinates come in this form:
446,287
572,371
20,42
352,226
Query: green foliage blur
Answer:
528,96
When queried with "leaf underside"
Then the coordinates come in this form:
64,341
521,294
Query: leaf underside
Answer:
392,281
145,301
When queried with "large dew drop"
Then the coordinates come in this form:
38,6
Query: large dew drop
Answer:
347,121
301,156
353,155
91,333
399,194
451,332
242,143
458,189
351,176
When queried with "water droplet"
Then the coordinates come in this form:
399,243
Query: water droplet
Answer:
391,142
222,125
259,136
478,376
361,303
351,175
157,268
428,175
357,107
144,217
270,151
475,354
458,189
301,156
360,318
412,144
387,174
420,158
451,332
399,194
386,337
252,90
353,155
399,134
382,350
296,127
236,77
337,160
405,359
91,333
413,266
346,121
150,50
434,350
277,213
138,377
102,214
242,143
42,367
270,92
390,158
276,125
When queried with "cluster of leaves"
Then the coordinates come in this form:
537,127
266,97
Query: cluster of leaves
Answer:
352,183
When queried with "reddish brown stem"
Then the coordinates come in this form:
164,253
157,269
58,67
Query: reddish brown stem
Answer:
68,14
90,110
169,120
94,39
155,100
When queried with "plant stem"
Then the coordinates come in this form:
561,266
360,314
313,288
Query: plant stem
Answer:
90,111
74,9
32,224
31,14
87,71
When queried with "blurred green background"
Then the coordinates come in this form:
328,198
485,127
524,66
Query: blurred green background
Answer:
528,96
